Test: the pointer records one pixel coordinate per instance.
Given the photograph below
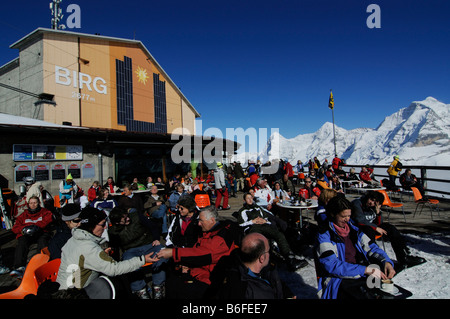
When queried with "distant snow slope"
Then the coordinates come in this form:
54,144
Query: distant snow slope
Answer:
419,134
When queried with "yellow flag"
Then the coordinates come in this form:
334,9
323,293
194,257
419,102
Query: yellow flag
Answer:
331,101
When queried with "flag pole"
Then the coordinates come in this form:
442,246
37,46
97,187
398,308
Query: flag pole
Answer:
331,106
334,133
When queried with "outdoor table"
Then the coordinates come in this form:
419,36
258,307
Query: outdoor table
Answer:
344,183
366,189
134,192
311,203
141,191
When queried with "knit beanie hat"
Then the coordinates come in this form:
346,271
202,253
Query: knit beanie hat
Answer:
90,217
70,212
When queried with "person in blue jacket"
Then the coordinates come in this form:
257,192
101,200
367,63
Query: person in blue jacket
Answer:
345,256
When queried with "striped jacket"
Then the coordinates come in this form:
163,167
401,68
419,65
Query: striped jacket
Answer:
247,213
331,266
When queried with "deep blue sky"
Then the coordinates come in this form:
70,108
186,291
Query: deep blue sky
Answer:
272,63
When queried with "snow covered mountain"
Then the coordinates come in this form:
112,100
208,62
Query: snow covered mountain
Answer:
419,134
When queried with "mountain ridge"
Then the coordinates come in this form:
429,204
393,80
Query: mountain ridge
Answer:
418,133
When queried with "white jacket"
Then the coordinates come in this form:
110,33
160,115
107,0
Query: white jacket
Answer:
83,260
219,178
264,196
35,190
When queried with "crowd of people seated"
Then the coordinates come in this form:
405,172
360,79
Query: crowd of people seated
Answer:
118,236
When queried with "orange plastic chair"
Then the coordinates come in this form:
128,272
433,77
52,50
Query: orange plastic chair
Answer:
29,284
56,201
380,238
48,271
202,200
45,251
423,202
387,202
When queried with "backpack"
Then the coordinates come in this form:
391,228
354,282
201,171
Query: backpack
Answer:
387,183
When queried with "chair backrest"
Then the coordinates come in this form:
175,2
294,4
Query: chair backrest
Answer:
417,194
387,200
202,200
45,251
56,201
48,271
28,285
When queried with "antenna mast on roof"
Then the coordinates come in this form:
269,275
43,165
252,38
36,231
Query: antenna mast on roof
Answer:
56,15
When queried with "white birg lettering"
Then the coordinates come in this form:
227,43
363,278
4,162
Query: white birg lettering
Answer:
59,75
75,79
79,79
85,79
102,86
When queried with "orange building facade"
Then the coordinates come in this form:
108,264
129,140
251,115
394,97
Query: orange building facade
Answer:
102,82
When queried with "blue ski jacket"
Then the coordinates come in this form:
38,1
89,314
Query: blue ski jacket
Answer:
331,266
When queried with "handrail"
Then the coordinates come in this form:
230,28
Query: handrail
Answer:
423,175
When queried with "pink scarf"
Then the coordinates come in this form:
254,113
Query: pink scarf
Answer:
343,232
185,223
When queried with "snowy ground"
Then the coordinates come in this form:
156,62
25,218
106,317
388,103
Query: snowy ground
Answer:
430,280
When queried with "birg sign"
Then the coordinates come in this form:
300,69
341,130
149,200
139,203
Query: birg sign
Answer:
79,80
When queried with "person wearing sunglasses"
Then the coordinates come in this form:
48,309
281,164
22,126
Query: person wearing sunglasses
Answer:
69,220
84,258
309,190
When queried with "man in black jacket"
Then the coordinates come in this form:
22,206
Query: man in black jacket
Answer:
250,274
134,239
408,180
239,175
254,219
129,200
366,212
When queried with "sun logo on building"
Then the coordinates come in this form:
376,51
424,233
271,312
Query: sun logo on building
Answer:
142,75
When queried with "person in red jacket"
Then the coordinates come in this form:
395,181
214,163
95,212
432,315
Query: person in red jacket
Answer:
93,191
336,162
219,239
30,227
309,191
289,170
366,176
